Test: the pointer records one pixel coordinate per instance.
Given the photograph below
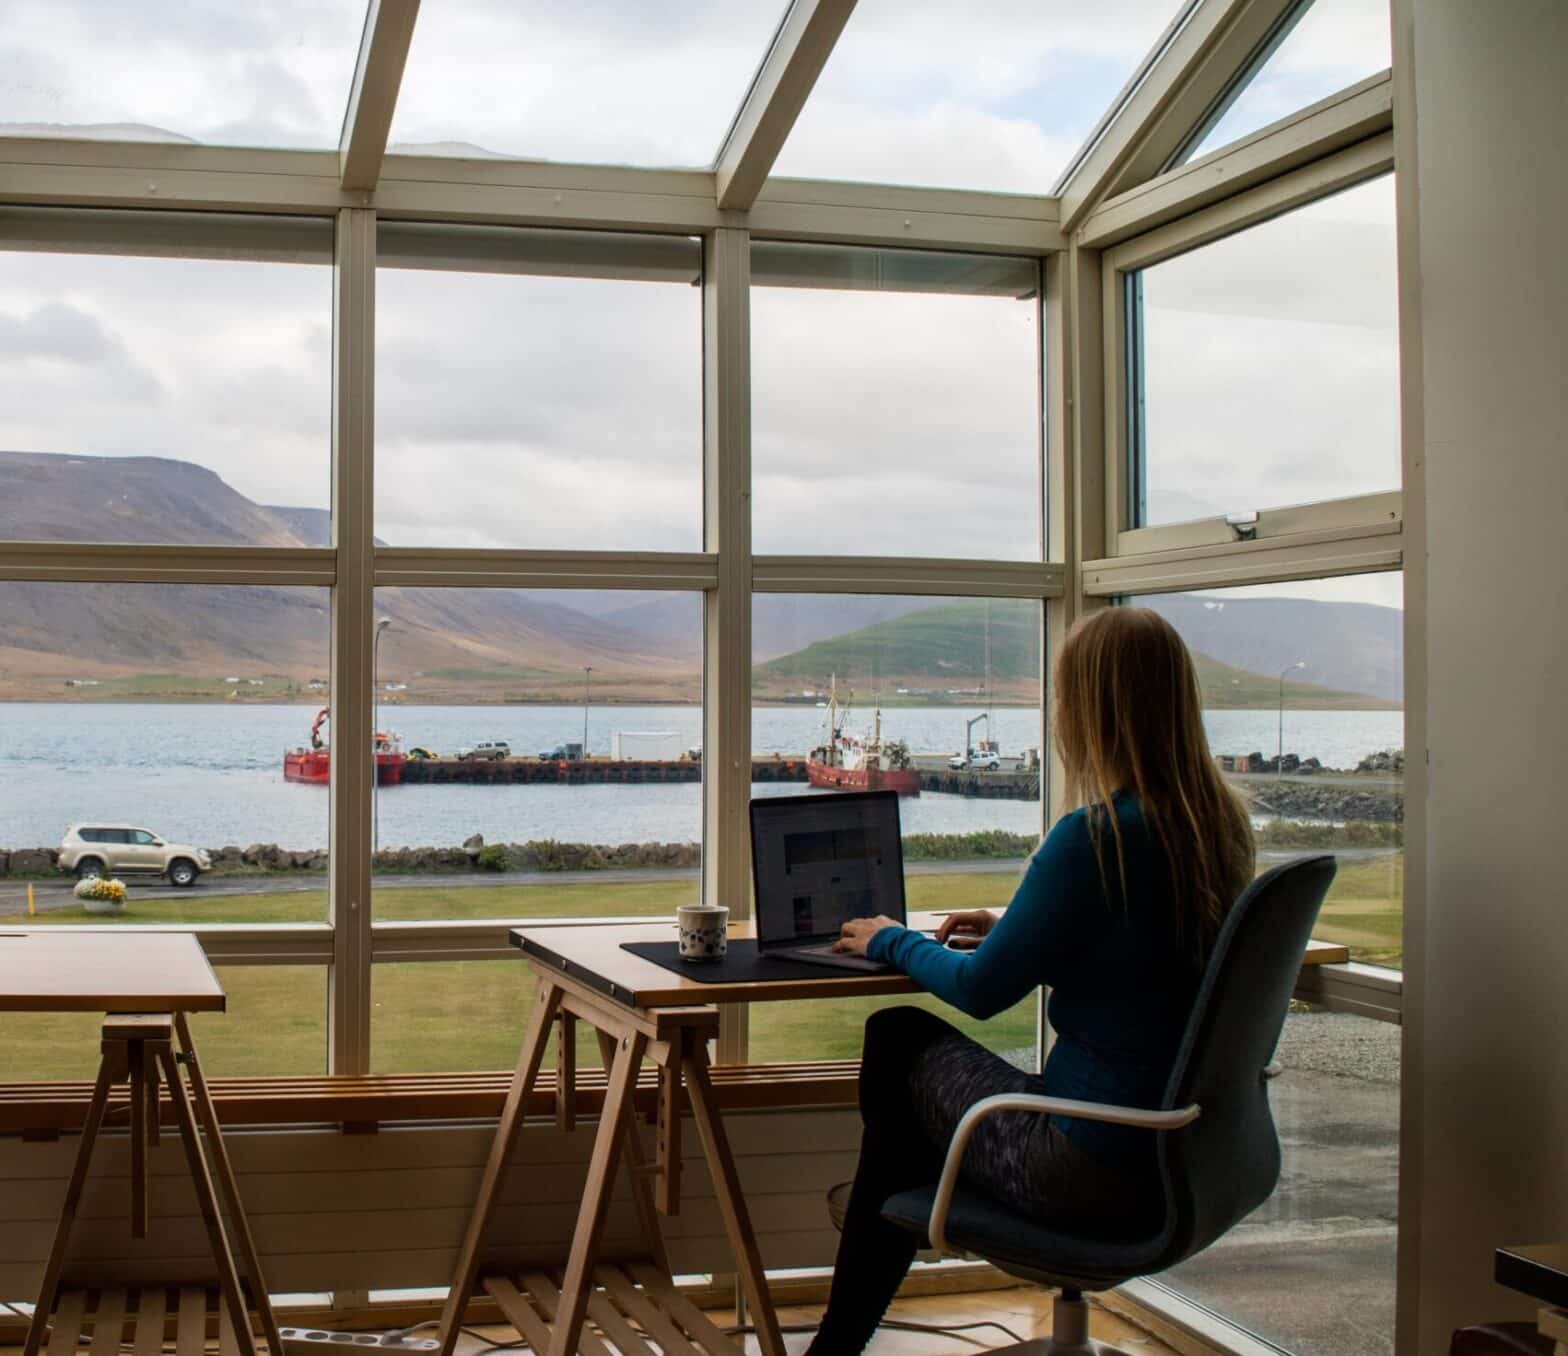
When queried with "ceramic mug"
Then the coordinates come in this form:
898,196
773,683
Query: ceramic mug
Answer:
704,931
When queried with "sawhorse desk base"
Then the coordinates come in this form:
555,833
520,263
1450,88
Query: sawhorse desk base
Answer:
633,1306
138,1049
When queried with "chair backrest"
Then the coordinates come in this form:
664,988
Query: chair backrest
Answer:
1226,1163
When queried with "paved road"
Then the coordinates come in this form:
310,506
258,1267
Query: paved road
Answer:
56,894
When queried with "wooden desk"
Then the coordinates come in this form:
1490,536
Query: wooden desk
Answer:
146,984
640,1011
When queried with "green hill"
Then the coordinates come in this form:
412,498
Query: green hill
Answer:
939,653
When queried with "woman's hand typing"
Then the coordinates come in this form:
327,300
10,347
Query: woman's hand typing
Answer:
859,931
965,931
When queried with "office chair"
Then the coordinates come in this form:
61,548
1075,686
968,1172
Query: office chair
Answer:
1218,1149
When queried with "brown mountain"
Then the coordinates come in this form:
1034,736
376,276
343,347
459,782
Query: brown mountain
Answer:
183,640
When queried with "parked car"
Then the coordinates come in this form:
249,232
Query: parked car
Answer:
92,850
490,748
563,753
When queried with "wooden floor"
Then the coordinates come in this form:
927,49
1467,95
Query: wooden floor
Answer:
1026,1312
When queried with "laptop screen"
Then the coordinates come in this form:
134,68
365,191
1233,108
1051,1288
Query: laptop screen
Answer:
818,861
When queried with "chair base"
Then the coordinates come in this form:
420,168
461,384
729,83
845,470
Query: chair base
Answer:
1049,1346
1069,1333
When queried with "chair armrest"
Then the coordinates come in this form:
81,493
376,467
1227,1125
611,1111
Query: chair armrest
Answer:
1045,1106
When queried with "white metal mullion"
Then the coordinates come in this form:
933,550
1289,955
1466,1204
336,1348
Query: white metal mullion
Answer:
353,600
805,42
1353,115
378,75
1378,514
70,562
414,567
157,178
1194,70
937,577
726,705
1322,178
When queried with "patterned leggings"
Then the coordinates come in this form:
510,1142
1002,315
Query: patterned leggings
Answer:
918,1075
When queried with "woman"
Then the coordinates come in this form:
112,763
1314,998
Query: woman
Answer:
1117,913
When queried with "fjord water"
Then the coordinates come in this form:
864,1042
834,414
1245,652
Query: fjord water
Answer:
213,775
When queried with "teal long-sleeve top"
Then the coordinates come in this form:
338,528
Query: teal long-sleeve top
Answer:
1122,981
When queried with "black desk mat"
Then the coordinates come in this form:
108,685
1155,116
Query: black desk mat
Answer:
741,964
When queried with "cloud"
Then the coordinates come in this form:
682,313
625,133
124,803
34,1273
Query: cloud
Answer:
263,73
223,363
597,80
995,95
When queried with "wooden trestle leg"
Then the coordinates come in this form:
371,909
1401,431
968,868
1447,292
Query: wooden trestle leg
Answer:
208,1115
579,1281
535,1043
73,1199
134,1046
732,1204
231,1296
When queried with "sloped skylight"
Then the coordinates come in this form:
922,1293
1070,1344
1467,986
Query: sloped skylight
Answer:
988,94
597,81
1333,45
260,73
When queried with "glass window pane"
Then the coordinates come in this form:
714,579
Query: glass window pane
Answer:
1332,45
276,1023
602,81
457,1016
991,94
165,708
1271,364
487,806
538,389
265,73
895,403
1329,1229
170,400
1313,671
940,681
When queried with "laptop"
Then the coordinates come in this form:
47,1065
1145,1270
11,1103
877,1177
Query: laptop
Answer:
819,861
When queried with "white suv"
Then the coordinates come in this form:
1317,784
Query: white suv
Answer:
113,849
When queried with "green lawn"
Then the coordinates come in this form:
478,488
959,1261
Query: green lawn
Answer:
1365,910
469,1014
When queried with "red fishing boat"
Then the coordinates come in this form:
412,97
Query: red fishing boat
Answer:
849,762
313,762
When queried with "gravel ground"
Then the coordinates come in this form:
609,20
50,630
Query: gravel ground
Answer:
1337,1043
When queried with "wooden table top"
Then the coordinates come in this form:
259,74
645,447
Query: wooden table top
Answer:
71,970
592,953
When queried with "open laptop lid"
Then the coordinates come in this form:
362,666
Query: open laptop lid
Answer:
818,861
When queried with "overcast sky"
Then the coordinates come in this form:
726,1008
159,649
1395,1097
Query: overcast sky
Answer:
539,411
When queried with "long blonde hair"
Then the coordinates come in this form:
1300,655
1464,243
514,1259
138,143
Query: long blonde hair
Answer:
1129,717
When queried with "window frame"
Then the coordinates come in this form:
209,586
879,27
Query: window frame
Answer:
1325,526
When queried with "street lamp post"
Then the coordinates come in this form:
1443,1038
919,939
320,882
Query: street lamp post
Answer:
587,693
375,721
1279,755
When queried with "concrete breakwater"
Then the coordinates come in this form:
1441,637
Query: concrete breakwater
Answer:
1002,784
